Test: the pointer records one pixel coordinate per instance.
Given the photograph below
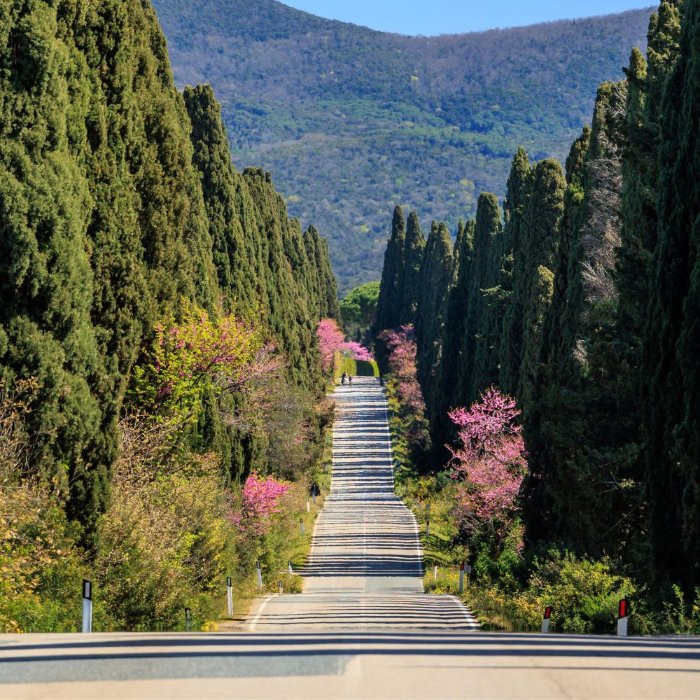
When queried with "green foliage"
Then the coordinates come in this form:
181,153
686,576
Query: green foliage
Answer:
358,310
119,207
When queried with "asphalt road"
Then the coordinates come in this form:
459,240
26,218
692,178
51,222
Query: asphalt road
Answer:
361,629
365,571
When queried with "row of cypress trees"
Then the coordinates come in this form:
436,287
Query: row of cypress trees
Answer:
582,299
119,202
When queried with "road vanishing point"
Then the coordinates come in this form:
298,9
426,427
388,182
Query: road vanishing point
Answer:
362,628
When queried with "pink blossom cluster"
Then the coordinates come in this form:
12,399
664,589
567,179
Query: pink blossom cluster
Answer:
260,502
490,461
402,348
331,341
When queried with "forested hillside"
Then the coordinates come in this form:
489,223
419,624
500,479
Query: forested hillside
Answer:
352,121
580,300
158,323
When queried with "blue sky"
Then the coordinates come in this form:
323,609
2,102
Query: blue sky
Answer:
431,17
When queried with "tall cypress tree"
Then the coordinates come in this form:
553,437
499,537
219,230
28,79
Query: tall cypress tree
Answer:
582,492
410,277
452,357
518,192
389,304
479,366
670,420
533,288
435,281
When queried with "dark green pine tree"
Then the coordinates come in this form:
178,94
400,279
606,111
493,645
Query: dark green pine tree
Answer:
410,277
453,344
671,421
518,191
482,326
436,279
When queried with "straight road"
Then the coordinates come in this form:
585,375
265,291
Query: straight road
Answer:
361,629
366,566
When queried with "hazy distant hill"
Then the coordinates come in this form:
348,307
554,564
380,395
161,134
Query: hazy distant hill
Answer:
352,121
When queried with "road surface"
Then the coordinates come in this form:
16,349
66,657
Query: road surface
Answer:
362,628
366,566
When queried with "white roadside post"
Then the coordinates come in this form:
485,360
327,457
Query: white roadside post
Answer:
461,577
87,606
435,572
427,528
302,529
188,620
290,568
258,573
308,506
229,596
622,617
545,620
280,587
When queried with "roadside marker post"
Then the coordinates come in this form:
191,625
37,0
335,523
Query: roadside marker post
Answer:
87,606
308,506
623,612
302,529
258,572
545,619
461,577
290,568
229,596
188,620
435,573
427,528
280,588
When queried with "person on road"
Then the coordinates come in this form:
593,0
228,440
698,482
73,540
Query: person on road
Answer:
343,378
350,378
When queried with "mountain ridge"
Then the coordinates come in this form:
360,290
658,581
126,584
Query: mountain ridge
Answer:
351,121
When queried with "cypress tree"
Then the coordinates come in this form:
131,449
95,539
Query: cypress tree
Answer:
670,420
578,440
533,287
517,195
479,367
410,277
452,357
389,304
435,281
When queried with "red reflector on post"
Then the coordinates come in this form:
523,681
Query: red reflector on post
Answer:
624,608
461,566
547,613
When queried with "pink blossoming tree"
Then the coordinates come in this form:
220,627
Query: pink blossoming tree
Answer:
260,501
490,462
332,341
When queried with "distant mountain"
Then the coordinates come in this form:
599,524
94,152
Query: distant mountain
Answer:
351,121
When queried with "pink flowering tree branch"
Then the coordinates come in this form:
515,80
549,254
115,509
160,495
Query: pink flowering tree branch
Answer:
331,341
260,501
489,462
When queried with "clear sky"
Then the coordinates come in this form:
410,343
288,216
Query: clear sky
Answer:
430,17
